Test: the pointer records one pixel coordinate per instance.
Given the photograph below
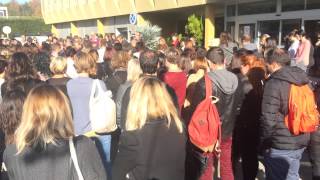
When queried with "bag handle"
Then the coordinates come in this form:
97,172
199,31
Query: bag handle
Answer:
75,159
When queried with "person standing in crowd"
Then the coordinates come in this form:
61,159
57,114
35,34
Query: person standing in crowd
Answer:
134,72
143,150
228,46
79,92
246,132
262,43
119,64
200,66
317,51
247,44
294,46
282,151
224,87
175,41
162,47
303,54
271,43
40,149
10,117
19,74
3,66
175,77
71,70
58,67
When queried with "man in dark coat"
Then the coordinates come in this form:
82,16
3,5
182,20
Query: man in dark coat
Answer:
282,150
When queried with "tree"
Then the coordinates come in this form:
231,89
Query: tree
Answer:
36,8
150,35
195,28
13,8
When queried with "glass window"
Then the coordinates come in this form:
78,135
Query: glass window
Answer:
313,4
219,26
231,29
231,10
292,5
288,26
260,7
247,29
270,27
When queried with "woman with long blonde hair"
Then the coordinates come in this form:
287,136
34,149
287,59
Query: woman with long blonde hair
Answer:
41,149
153,145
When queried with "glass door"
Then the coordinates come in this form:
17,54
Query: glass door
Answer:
247,29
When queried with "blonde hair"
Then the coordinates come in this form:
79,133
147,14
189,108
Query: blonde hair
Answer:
58,65
134,70
46,117
85,63
149,99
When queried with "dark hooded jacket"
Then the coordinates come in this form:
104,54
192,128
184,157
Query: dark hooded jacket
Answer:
224,87
274,133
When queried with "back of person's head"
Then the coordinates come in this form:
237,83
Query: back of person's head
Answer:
46,118
10,113
271,43
216,56
134,70
246,38
152,93
140,46
20,66
120,60
117,46
185,64
56,47
3,65
87,45
200,63
302,33
201,53
70,52
94,54
190,53
41,62
173,56
84,63
149,62
278,56
108,54
58,65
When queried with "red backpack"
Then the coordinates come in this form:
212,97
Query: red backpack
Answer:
303,116
204,127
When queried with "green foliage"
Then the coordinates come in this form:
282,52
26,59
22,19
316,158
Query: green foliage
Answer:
150,35
25,25
195,28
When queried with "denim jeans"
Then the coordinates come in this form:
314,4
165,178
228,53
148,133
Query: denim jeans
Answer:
282,164
103,144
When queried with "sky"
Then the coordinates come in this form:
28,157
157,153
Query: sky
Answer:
19,1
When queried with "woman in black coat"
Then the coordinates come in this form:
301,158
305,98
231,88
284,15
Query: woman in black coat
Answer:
153,143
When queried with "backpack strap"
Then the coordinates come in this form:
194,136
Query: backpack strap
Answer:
208,86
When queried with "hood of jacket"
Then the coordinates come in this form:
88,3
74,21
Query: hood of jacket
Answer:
226,81
293,75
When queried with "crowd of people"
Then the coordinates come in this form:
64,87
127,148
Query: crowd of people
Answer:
49,90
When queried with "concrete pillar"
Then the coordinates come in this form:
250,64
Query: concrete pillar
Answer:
209,27
73,29
54,30
100,26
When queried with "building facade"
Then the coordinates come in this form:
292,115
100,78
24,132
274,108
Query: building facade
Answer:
239,17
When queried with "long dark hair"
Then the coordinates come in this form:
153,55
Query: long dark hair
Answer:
10,113
20,67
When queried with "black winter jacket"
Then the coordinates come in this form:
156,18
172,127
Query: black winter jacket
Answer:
274,133
152,152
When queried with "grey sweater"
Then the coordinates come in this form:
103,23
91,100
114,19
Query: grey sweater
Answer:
54,163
